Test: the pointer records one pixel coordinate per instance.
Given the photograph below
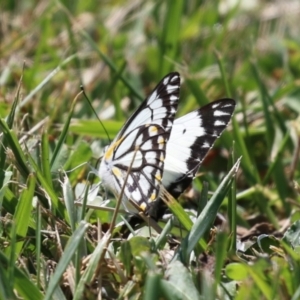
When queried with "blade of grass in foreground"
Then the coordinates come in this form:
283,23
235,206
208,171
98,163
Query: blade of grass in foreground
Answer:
12,142
23,285
220,255
22,214
207,216
180,214
92,267
64,261
232,208
69,201
63,134
9,121
94,129
4,191
179,283
45,159
49,192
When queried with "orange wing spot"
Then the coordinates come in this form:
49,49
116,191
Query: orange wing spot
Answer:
109,153
153,196
158,177
153,129
161,140
143,206
116,172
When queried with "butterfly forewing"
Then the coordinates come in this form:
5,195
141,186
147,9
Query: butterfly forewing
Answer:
192,137
139,150
159,108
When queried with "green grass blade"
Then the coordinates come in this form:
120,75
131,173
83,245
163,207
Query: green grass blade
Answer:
12,141
45,159
180,214
209,213
66,258
261,283
10,200
281,149
223,73
69,201
50,192
198,93
23,285
6,292
152,285
162,237
4,187
266,101
9,121
246,163
23,211
38,244
63,135
249,169
170,36
94,129
180,284
91,269
220,254
232,205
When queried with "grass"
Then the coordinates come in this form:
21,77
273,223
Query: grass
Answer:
118,51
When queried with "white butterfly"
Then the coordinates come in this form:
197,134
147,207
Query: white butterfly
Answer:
154,149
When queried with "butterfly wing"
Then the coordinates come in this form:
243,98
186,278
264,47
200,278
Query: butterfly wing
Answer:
192,137
140,147
159,108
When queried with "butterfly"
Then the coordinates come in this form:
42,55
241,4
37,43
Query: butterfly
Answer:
153,149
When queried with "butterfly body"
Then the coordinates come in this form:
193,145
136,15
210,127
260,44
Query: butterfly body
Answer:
154,150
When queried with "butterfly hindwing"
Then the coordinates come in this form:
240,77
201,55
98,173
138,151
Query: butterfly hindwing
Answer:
192,137
139,149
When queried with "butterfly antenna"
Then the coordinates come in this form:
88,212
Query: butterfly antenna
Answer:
91,106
